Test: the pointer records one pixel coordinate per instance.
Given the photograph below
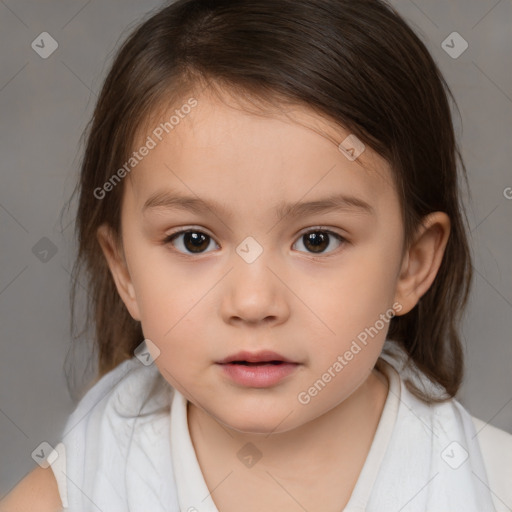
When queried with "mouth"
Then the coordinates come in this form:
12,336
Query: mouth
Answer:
261,363
257,370
256,358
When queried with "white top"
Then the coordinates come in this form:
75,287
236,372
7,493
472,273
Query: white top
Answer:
127,447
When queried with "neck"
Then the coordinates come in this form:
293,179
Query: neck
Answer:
344,431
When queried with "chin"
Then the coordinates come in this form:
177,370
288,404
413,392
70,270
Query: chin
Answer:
256,421
253,427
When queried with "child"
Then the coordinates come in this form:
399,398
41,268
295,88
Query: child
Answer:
270,218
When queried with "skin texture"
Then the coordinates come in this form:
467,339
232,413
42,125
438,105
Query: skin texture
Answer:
309,307
37,491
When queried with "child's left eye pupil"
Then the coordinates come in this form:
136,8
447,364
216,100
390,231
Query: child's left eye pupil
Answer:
319,241
194,241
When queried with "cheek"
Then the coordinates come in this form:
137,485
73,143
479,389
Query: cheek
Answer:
173,323
358,293
169,299
350,307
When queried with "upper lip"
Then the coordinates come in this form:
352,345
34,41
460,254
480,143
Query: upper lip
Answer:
255,357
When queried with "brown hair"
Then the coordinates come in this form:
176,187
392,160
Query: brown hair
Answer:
355,62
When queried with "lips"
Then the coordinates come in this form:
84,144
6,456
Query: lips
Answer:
257,370
255,358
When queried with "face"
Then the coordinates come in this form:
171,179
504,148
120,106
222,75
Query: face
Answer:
285,246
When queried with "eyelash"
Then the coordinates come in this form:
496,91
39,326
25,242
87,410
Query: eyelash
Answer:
172,236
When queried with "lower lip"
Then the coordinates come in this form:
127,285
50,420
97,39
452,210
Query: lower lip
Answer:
258,376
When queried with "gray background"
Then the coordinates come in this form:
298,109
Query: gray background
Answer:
45,105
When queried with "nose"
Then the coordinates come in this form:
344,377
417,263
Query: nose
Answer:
254,293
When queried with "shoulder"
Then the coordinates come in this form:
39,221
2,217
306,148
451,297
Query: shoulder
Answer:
97,438
114,397
122,393
128,392
115,382
37,491
496,447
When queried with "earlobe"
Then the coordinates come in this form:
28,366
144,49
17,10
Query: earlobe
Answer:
118,269
422,260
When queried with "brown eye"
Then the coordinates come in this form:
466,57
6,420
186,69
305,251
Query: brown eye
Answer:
318,241
191,242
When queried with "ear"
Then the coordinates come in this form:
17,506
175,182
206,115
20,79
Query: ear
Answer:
422,260
119,269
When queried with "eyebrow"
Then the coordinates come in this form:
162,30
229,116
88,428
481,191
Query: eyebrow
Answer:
170,200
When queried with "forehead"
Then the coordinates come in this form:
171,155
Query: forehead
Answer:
227,144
